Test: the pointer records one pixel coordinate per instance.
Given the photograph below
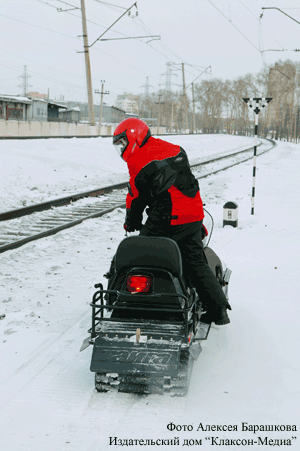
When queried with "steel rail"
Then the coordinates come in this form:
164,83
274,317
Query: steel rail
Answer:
66,218
17,213
24,211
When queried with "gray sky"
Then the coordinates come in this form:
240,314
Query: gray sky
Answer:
224,34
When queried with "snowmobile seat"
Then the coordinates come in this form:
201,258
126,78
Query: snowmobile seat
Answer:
146,251
154,254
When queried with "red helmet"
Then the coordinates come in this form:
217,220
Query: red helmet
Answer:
128,134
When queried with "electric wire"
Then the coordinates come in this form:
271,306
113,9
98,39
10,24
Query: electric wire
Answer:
253,45
110,4
37,26
165,47
46,3
43,77
107,53
263,25
52,31
39,64
34,40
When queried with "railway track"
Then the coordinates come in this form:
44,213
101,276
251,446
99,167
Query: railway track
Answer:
23,225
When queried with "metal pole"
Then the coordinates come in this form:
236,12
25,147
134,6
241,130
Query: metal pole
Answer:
158,122
87,66
101,106
185,99
254,161
250,102
194,113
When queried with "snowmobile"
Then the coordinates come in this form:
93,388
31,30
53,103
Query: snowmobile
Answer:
146,329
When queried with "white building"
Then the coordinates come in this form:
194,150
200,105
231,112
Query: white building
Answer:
128,102
38,110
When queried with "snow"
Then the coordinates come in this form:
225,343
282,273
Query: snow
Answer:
15,98
248,370
34,171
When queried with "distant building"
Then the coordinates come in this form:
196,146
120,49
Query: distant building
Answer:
70,115
116,114
28,109
14,107
110,114
43,111
54,111
281,87
37,95
38,110
128,102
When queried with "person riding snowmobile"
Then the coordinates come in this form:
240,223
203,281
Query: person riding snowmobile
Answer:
162,181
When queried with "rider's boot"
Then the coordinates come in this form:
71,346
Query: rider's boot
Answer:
218,316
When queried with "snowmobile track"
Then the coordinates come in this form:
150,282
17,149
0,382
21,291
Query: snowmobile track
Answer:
145,385
27,224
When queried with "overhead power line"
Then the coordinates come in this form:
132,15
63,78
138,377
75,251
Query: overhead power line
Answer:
259,19
39,64
166,50
127,10
110,4
37,75
37,26
142,26
230,21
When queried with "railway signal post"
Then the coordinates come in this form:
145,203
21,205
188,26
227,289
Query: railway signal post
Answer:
257,103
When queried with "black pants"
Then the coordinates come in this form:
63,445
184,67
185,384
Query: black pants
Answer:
194,263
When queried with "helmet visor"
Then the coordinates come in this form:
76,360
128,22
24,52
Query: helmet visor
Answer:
120,144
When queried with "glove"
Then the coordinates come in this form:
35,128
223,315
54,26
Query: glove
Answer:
204,232
132,221
130,229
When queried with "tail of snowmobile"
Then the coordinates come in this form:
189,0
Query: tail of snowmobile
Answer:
146,330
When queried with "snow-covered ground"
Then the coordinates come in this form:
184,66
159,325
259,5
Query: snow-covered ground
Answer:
248,371
33,171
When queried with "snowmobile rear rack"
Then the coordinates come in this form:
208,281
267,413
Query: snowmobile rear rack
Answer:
98,310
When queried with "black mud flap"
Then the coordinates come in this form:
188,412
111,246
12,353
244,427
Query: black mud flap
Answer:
157,357
85,344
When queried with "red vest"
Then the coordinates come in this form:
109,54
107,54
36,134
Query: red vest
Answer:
185,209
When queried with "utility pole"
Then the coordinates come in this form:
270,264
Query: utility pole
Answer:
101,104
185,99
168,84
158,120
87,65
194,113
146,97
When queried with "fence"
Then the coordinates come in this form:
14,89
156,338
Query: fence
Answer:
32,129
36,129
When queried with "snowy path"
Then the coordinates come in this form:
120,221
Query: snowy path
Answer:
248,371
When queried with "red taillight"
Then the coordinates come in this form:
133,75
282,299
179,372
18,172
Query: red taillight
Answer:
138,284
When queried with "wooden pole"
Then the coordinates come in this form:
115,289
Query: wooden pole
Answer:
87,66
